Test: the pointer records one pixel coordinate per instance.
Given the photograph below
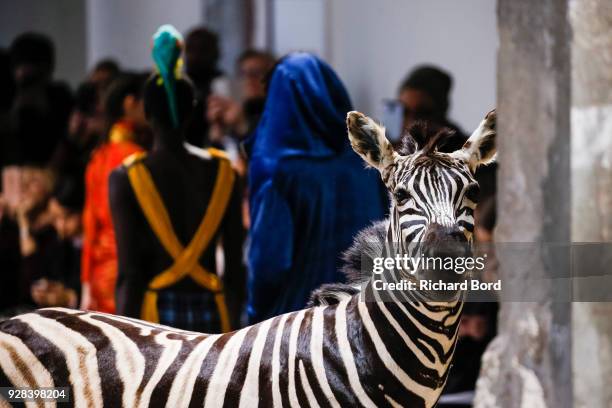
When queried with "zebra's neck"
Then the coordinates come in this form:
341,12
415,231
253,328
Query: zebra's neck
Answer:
414,341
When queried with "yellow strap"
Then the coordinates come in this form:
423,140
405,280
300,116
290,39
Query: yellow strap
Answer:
186,260
220,154
206,231
149,311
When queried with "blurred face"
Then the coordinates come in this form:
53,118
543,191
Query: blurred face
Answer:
27,74
417,105
473,326
483,234
252,73
100,77
67,223
134,110
200,58
83,128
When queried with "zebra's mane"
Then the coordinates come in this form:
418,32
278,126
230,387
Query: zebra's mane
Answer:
358,261
425,137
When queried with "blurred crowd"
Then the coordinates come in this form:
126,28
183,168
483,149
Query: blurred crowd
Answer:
59,145
302,192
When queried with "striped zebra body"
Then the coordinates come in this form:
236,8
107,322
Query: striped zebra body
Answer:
352,353
342,352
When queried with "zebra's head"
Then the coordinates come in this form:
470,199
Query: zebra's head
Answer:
433,193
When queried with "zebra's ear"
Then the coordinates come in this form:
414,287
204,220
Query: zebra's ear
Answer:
369,141
480,148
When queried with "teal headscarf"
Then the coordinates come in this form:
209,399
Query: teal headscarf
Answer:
167,48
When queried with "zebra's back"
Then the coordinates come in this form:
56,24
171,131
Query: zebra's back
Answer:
108,360
325,356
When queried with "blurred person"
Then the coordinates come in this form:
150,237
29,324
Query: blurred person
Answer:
253,66
201,58
487,180
7,82
201,65
39,115
485,218
309,192
171,209
239,119
425,94
33,220
125,111
10,259
55,266
87,123
32,215
231,121
104,72
86,127
484,225
24,232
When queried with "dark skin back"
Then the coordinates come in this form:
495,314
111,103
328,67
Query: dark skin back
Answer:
184,179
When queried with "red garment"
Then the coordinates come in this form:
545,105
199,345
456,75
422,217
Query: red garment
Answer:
99,258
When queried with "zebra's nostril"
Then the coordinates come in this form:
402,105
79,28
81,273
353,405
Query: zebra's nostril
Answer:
449,249
445,241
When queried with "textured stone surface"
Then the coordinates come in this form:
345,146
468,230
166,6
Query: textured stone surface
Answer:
592,192
591,22
528,364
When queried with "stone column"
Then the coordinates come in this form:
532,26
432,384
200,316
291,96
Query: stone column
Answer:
527,364
592,195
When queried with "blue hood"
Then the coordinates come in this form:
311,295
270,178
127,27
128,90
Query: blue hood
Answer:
309,193
304,115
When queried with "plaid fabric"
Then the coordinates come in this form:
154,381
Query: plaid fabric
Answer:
189,311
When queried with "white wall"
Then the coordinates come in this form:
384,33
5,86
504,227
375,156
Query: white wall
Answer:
261,22
299,25
85,31
62,20
374,43
371,43
122,29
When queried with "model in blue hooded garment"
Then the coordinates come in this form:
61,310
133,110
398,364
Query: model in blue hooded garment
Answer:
309,192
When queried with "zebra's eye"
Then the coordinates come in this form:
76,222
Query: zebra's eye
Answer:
401,195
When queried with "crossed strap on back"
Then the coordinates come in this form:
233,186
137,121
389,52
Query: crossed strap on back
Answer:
186,259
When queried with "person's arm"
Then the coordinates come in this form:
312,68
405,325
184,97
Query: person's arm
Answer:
232,234
131,283
270,251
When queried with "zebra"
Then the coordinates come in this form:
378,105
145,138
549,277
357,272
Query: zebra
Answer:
339,352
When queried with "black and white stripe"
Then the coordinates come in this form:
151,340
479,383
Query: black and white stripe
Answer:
430,191
352,353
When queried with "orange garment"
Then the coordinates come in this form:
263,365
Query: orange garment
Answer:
99,256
